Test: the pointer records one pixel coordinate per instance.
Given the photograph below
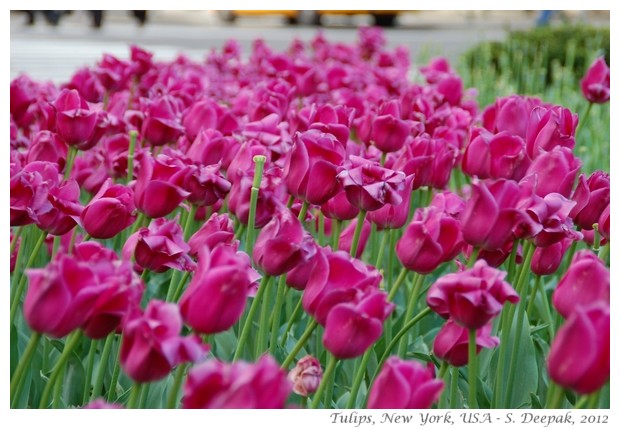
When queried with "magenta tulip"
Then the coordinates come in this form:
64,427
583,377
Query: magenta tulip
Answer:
550,127
591,197
585,281
451,342
47,146
389,131
604,222
472,297
579,357
404,385
547,260
511,114
152,345
65,208
595,84
217,229
339,207
215,384
162,122
110,211
346,237
205,184
216,296
392,216
30,188
75,122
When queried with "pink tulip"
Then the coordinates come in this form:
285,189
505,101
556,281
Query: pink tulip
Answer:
472,297
495,156
579,354
215,384
158,190
547,260
452,340
510,114
65,208
591,197
585,281
86,82
218,229
159,247
595,84
369,186
312,165
162,122
152,346
47,146
432,238
216,296
110,211
101,404
394,216
298,277
205,184
75,122
389,131
355,324
30,188
604,222
404,385
550,127
271,196
202,115
306,376
339,207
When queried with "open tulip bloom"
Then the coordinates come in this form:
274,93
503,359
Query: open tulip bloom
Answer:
304,229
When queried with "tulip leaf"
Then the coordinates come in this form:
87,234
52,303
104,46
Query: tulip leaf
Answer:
73,384
225,345
13,351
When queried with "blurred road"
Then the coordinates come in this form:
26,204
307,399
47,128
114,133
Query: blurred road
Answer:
54,53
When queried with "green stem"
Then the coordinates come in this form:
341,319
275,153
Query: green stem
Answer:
331,366
336,224
443,373
14,240
358,232
596,246
454,387
300,344
321,232
245,332
276,315
115,374
585,118
92,351
58,389
133,137
187,229
172,286
70,345
359,376
382,246
399,281
176,386
179,287
593,400
22,366
418,280
473,369
70,159
291,321
261,343
22,278
532,298
103,365
303,211
555,395
602,254
259,165
134,396
472,258
144,395
582,402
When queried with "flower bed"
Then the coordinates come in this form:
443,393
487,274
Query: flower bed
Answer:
303,229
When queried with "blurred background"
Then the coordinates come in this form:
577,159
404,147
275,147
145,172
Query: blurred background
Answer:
51,45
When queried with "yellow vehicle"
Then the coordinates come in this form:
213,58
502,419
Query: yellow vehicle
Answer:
383,18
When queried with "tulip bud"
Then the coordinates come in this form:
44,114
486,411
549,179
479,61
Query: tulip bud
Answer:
110,211
550,127
547,260
472,297
495,156
585,281
404,385
579,354
339,207
591,197
161,122
152,346
595,84
452,340
75,122
215,384
306,376
511,114
47,146
216,296
218,229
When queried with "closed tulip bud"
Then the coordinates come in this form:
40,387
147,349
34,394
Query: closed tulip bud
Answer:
215,384
47,146
158,190
297,278
579,357
152,345
404,385
216,296
604,222
550,127
218,229
451,342
495,156
591,197
369,186
472,297
547,260
339,207
202,115
75,122
509,114
491,213
312,165
162,122
306,376
389,131
281,244
159,247
585,281
356,323
346,237
595,84
110,211
394,216
432,238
